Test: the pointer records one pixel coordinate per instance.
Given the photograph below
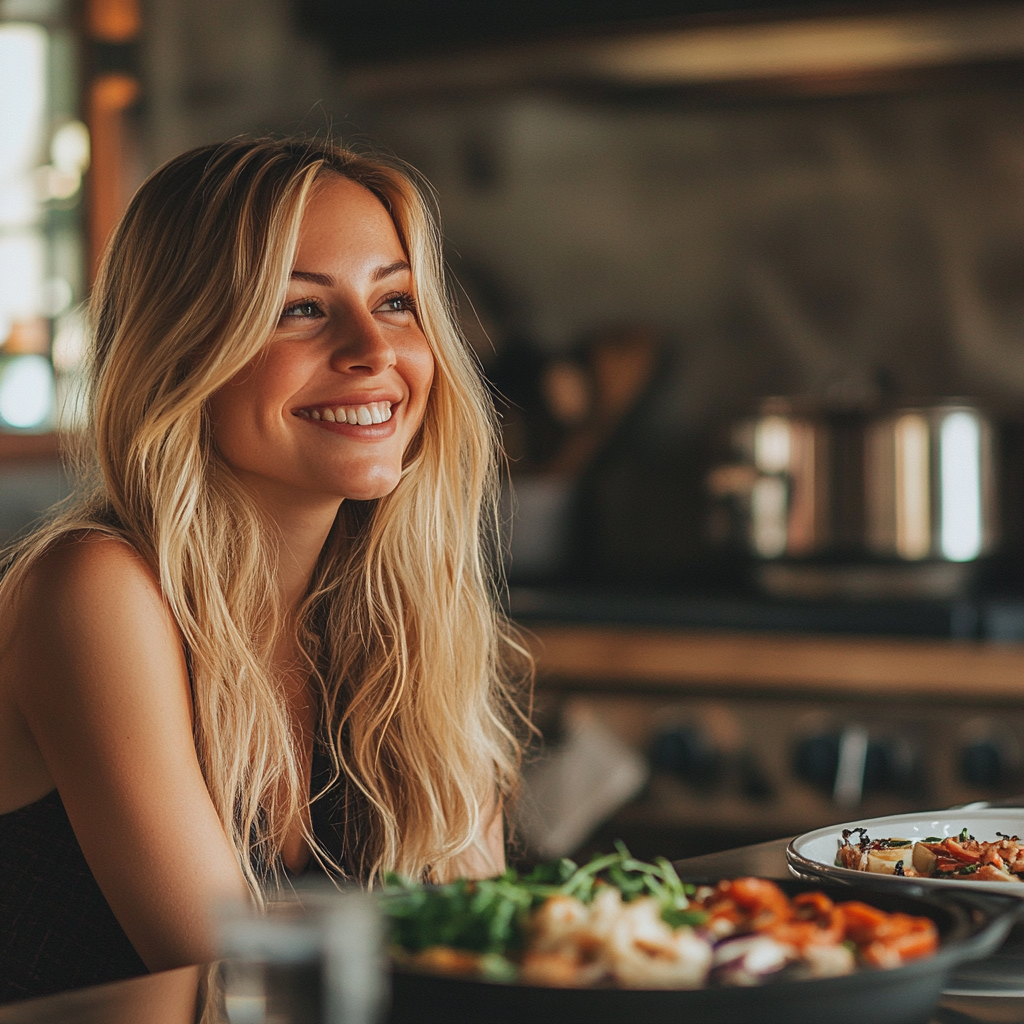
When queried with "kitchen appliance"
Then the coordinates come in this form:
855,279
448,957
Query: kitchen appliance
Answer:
742,767
845,503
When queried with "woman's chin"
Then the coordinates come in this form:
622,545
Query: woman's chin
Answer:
375,485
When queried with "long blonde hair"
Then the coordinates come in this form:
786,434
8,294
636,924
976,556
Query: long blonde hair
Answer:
415,668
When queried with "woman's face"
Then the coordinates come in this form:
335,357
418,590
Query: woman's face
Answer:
329,406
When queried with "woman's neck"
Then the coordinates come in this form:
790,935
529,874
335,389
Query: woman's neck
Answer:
300,546
302,528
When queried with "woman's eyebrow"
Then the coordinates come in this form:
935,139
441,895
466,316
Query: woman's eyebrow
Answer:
392,268
327,281
307,275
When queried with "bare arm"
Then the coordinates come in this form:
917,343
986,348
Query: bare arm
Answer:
99,675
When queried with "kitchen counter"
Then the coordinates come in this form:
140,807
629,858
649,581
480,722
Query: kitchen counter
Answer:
608,656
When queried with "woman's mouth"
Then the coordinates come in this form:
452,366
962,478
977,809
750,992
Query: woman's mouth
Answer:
357,415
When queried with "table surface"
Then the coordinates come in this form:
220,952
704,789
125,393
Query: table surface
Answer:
176,997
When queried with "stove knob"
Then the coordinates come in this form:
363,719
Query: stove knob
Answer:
688,753
816,760
983,763
755,783
890,765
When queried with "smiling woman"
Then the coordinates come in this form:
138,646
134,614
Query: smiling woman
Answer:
264,640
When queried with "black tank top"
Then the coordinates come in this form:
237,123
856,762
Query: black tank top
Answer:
57,931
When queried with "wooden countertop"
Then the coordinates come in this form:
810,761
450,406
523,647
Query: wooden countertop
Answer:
606,656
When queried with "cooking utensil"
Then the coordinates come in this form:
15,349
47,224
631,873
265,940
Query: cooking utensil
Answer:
929,484
837,503
969,928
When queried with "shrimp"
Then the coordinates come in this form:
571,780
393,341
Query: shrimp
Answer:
557,922
604,911
887,940
815,922
644,952
759,898
560,969
746,904
568,940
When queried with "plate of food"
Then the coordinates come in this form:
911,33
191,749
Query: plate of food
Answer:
934,850
619,939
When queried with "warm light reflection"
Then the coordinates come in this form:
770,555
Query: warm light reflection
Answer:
109,97
812,46
768,516
114,21
913,505
70,147
960,467
772,445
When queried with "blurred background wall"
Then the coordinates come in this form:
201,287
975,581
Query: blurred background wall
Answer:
852,237
660,216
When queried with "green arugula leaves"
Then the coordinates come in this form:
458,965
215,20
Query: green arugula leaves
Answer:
491,916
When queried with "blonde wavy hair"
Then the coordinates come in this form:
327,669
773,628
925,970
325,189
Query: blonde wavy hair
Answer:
418,675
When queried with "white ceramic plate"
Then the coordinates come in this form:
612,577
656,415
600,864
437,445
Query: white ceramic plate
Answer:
813,854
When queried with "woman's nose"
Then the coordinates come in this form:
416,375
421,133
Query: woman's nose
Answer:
361,345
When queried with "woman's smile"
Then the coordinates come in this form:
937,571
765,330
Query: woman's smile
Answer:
353,414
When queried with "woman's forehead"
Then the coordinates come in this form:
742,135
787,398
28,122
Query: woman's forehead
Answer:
344,218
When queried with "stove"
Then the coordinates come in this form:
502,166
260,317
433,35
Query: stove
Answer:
730,764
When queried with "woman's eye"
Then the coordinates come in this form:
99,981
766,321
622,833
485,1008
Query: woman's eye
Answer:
403,303
306,309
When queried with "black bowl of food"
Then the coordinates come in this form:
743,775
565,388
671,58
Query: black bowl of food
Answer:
618,940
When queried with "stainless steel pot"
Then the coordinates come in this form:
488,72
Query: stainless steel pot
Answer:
872,496
930,484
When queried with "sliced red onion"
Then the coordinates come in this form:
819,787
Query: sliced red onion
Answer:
749,959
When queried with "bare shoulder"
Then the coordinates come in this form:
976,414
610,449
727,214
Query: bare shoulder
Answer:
88,563
91,600
84,580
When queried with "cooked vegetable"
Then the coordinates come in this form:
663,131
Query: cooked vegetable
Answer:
883,862
620,921
967,858
491,916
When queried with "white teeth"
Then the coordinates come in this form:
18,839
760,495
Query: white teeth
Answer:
358,415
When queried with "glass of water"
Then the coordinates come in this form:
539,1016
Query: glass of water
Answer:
314,957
